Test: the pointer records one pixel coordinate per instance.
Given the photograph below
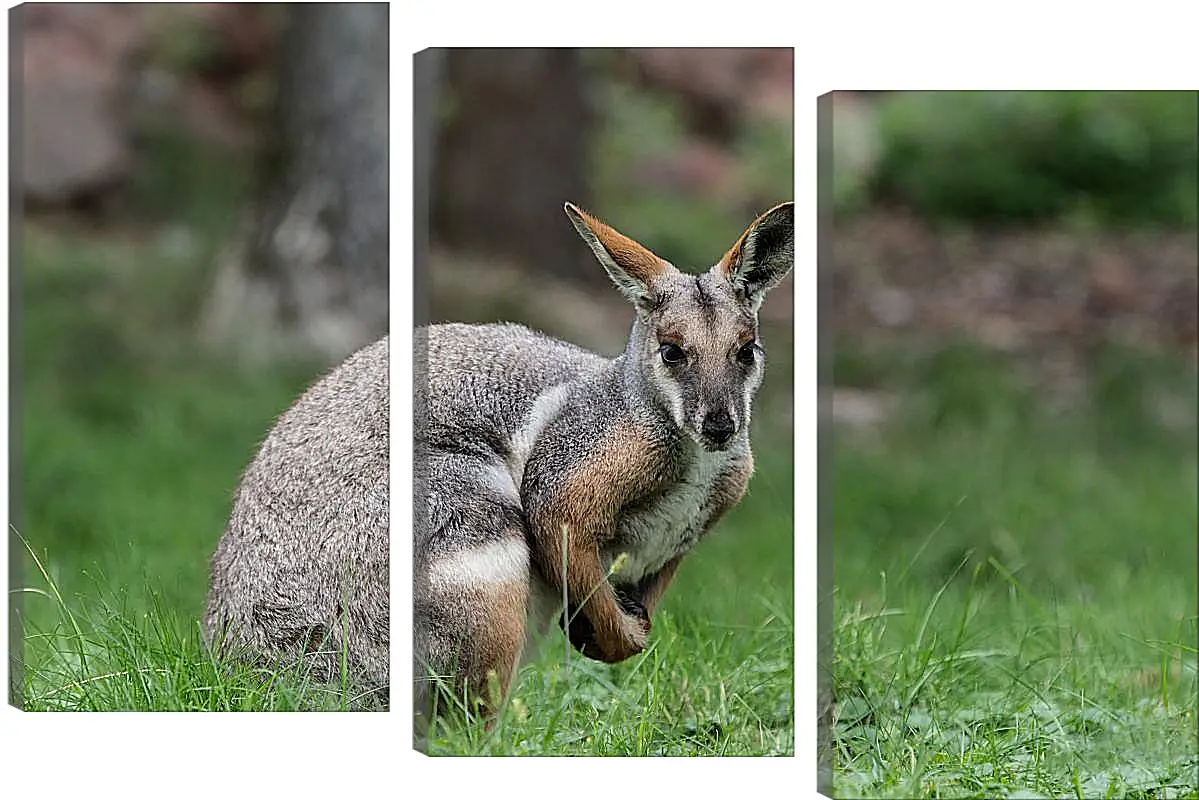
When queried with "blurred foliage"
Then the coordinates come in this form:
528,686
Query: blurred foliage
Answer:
1104,476
1102,158
132,437
641,128
181,45
186,182
961,387
766,150
190,46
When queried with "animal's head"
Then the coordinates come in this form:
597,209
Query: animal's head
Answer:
695,338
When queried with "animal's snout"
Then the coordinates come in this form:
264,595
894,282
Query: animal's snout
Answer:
719,427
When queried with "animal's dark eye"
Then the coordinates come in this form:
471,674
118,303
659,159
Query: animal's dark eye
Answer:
672,354
748,353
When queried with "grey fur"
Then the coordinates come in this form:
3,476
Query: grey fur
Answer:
302,569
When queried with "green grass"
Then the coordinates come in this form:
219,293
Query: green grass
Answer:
110,653
1016,590
131,441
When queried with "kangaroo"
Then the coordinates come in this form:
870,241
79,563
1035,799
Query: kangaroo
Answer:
301,571
553,484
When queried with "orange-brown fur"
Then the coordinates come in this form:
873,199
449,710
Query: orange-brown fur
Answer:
492,641
636,259
625,468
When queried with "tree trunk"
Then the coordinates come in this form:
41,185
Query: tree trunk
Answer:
312,276
513,148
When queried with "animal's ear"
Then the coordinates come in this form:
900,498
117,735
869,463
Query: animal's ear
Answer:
762,256
632,267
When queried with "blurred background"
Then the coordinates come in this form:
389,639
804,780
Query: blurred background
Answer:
1014,284
680,149
1015,295
204,232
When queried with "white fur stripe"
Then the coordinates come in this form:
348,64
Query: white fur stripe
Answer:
547,406
499,562
497,478
675,397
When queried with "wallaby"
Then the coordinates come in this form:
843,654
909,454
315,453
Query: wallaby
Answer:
302,569
546,473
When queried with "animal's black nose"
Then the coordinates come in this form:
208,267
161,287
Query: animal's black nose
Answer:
718,426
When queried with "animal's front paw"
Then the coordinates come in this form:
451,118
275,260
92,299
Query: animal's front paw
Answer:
634,633
635,630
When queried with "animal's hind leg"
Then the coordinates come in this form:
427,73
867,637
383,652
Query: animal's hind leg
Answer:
474,620
472,581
